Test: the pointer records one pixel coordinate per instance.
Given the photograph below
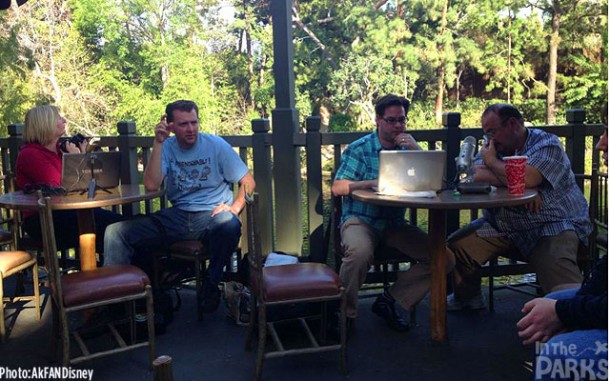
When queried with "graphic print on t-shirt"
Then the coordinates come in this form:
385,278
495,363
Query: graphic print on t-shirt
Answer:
192,174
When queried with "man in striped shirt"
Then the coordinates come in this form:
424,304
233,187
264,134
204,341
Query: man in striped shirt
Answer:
546,232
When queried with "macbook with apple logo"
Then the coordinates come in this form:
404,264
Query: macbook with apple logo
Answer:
401,172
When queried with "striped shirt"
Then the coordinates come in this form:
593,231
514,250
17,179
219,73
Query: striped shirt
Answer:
563,204
360,161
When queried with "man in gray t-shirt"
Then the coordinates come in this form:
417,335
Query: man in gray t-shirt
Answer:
198,170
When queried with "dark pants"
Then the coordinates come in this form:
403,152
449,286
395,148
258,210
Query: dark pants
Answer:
65,223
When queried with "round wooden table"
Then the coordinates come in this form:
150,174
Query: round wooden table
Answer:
437,207
123,194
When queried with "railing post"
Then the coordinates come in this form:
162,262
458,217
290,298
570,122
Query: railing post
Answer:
315,199
261,157
575,146
129,162
15,140
452,121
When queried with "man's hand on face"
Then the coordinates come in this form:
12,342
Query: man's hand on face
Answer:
162,129
405,140
488,153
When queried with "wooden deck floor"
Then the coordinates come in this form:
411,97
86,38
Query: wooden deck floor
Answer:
481,346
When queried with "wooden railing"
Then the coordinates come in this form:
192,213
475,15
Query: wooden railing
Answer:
256,150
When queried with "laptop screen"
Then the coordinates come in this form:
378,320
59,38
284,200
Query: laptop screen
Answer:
411,171
77,169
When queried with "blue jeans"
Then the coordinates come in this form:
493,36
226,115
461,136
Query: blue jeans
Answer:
576,355
141,235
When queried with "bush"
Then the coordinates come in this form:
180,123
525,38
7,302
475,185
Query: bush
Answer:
342,123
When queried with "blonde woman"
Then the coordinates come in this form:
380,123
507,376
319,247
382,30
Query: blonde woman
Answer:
39,163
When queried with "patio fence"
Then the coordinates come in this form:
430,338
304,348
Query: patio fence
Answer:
321,153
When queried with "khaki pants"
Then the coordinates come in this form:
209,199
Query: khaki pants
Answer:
553,258
359,240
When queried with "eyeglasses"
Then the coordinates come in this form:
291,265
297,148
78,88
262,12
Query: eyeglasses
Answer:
491,133
401,120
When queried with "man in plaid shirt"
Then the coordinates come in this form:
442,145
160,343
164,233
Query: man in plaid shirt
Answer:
546,233
365,226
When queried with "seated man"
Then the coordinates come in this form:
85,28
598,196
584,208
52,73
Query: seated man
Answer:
198,169
546,233
573,324
365,226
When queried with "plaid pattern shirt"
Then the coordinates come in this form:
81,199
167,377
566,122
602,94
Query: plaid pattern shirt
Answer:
563,204
360,161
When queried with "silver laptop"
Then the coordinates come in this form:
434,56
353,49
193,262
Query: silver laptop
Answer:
411,171
77,168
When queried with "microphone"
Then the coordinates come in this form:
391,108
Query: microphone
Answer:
465,159
465,169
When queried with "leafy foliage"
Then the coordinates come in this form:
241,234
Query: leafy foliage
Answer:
103,61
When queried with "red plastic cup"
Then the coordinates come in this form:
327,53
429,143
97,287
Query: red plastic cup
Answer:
515,174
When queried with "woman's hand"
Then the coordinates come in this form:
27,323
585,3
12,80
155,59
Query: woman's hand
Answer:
72,148
83,145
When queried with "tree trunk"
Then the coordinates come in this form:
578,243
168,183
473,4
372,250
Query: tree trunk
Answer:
440,71
297,20
553,47
248,100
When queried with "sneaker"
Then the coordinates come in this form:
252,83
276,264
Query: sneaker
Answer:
385,308
475,303
211,298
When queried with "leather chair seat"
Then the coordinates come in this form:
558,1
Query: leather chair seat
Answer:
299,281
10,260
187,247
103,283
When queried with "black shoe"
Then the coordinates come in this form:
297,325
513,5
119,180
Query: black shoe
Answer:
385,309
211,298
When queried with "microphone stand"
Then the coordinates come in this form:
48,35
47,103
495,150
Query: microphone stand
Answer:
93,182
468,185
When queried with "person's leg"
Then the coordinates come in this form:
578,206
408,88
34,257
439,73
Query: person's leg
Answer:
472,251
222,234
103,218
554,259
576,355
413,285
124,238
358,241
66,228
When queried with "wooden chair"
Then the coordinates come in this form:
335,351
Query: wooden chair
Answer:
192,251
102,287
11,263
14,262
196,254
599,212
285,285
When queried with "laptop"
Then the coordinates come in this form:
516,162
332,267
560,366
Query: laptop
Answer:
77,167
401,172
